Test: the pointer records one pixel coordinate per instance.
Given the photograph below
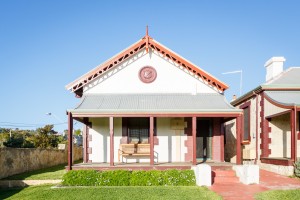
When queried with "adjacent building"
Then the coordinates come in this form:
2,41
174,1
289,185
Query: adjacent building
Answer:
270,127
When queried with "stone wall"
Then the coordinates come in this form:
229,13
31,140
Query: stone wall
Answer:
279,169
230,144
19,160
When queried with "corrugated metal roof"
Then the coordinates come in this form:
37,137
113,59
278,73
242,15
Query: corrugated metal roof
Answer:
289,77
288,98
136,103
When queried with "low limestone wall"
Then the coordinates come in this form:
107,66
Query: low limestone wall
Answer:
279,169
19,160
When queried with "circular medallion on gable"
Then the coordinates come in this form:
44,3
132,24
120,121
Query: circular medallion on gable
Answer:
147,74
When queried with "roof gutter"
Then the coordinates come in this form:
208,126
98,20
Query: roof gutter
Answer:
248,95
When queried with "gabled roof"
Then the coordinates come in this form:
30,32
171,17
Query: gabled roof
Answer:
145,43
288,80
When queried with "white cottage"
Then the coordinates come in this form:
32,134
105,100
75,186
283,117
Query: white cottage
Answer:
147,104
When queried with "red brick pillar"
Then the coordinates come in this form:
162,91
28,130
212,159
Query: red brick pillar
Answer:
238,140
218,141
194,127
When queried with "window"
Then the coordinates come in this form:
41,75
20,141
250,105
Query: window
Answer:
138,130
246,123
246,136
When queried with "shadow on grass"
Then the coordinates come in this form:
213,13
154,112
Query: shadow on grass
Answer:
8,192
25,175
50,170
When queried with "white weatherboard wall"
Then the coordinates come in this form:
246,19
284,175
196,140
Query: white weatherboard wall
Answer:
124,78
101,139
171,146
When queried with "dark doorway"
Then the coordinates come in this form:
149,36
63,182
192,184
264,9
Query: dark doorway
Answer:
203,139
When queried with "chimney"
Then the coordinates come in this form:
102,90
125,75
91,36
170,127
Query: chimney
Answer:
274,67
233,98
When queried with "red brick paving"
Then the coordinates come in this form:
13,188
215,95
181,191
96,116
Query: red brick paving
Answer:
268,181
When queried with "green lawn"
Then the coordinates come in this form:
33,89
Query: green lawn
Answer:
279,194
111,192
53,173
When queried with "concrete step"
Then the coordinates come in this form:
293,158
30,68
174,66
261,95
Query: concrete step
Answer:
220,176
228,173
223,168
220,179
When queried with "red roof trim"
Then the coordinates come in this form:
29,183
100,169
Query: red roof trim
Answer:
146,42
210,80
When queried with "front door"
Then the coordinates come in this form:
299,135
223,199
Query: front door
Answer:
204,139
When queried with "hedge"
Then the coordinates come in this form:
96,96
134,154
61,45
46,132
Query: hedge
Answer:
297,168
129,178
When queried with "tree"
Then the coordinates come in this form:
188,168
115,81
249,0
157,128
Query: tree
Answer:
17,138
45,137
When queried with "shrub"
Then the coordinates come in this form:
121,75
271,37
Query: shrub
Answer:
81,178
297,168
129,178
146,178
114,178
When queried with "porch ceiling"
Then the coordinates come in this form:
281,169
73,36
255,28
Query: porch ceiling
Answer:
154,104
286,98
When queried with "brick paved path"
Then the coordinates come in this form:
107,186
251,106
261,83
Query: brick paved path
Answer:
232,189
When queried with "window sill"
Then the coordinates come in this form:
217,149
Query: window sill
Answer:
246,142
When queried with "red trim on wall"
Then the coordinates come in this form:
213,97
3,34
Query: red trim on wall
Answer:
188,143
194,127
222,145
276,103
234,114
265,130
293,135
217,141
238,140
277,114
276,161
244,106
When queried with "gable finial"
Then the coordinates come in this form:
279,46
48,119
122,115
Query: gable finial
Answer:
147,39
147,30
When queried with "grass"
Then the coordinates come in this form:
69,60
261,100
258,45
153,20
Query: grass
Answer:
53,173
279,194
107,193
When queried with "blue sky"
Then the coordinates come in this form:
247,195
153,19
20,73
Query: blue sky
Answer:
45,45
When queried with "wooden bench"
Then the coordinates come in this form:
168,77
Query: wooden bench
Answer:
134,150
